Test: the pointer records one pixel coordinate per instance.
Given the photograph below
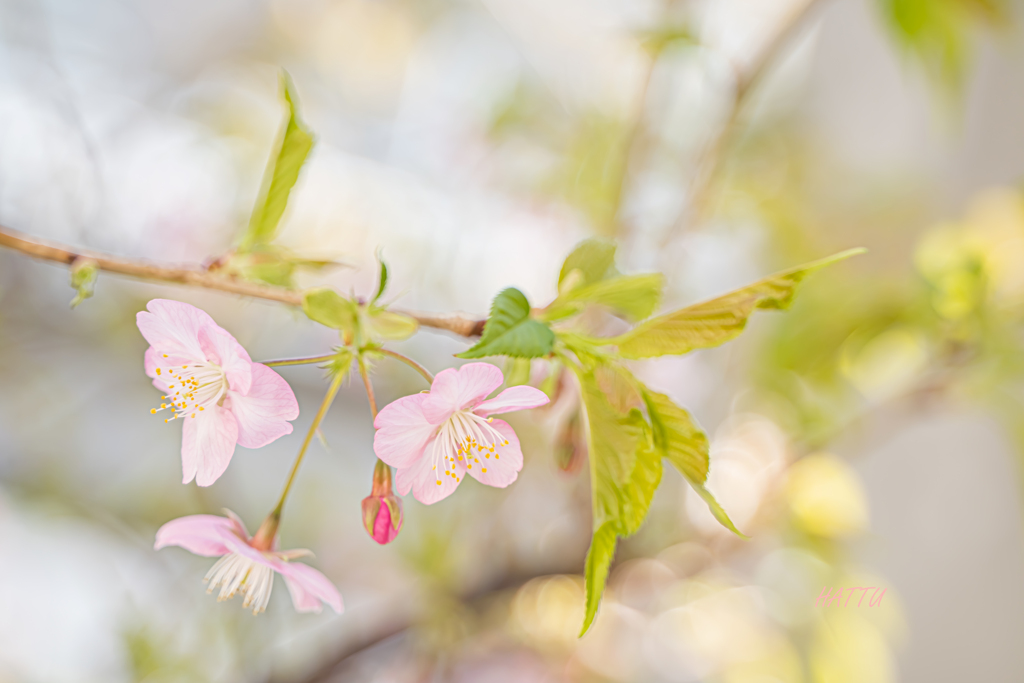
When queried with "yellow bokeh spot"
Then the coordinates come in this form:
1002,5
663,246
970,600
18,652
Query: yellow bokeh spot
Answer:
825,496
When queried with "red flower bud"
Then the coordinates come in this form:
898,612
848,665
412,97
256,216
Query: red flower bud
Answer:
382,509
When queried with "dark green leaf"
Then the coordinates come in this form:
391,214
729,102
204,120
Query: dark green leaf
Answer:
281,175
716,321
510,331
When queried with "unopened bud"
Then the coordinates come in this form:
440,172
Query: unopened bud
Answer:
382,509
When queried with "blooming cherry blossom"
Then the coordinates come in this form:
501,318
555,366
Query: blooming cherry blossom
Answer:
434,439
247,564
211,384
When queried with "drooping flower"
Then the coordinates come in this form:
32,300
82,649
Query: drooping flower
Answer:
247,564
382,509
211,384
434,439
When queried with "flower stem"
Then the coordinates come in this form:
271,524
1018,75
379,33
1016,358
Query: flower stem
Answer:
369,388
410,362
299,361
332,391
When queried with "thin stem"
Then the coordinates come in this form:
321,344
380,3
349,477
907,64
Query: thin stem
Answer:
410,362
369,387
328,399
197,276
299,361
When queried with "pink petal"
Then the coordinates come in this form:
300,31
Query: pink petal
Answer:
263,413
456,389
422,477
199,534
513,398
504,470
173,328
207,444
154,359
221,348
402,431
237,524
308,587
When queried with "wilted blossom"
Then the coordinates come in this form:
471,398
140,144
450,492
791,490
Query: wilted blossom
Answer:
211,384
382,509
247,564
435,438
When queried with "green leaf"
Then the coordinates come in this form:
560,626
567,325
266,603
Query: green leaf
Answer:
680,439
625,470
599,559
517,372
593,258
716,321
634,296
510,331
716,509
83,278
281,175
941,34
383,324
329,308
383,279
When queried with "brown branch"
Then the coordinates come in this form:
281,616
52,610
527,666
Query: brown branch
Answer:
196,276
710,161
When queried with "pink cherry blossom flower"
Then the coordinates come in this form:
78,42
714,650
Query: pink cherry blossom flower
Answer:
211,384
435,438
247,564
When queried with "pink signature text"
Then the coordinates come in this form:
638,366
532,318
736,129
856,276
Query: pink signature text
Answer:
829,598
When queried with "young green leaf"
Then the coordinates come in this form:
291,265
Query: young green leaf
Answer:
329,308
281,175
383,324
679,439
510,331
599,559
593,258
625,470
633,296
383,279
517,372
716,321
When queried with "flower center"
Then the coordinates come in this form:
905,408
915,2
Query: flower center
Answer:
195,387
235,573
462,440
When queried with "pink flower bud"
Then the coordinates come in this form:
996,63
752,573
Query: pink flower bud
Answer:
382,509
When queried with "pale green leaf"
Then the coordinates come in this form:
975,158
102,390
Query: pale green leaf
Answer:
593,258
517,372
625,470
716,509
599,559
716,321
281,175
680,439
329,308
510,331
383,324
634,296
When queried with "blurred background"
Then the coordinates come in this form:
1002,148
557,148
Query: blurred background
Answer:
871,436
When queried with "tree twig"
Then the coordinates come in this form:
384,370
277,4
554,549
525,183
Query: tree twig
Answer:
196,276
710,160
